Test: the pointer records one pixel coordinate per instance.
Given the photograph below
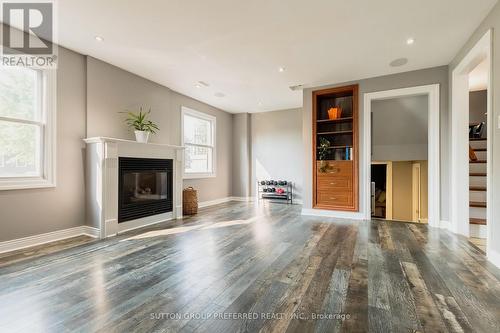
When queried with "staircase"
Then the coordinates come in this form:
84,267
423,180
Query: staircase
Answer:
477,183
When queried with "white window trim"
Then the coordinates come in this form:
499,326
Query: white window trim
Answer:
213,120
48,142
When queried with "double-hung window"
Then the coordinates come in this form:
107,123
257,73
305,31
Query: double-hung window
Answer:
27,128
198,138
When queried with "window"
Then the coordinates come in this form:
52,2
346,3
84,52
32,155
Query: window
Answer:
198,136
27,118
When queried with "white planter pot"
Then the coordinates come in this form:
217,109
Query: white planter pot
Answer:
142,136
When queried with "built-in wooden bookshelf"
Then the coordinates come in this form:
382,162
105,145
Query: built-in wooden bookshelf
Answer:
335,178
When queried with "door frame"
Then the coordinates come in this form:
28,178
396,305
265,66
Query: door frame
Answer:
388,187
459,208
432,92
416,192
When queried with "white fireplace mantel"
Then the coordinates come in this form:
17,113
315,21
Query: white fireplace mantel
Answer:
102,181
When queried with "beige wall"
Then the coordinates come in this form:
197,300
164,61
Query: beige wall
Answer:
30,212
111,90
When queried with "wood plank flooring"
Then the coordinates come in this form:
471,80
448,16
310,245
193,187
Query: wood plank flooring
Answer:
237,267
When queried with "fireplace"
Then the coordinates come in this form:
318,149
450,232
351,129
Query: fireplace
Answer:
144,187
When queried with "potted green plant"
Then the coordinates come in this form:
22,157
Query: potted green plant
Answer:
323,148
141,124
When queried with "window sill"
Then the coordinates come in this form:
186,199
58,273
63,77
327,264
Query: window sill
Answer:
198,175
25,184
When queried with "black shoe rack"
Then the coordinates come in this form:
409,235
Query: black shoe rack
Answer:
278,190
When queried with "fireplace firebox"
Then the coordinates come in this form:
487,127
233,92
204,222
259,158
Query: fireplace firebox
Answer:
145,187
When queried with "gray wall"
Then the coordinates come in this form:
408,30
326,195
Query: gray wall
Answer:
400,128
276,148
491,21
241,178
30,212
111,90
478,105
437,75
90,93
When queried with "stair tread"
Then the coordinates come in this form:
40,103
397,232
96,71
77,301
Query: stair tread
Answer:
477,139
479,149
478,161
477,204
473,220
477,174
477,188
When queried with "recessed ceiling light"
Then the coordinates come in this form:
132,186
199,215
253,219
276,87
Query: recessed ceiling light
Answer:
410,41
281,69
99,38
203,83
260,103
398,62
197,85
219,94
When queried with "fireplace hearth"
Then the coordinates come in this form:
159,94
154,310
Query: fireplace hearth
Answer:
145,187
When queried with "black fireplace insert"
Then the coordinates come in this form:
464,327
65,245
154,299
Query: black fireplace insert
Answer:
145,187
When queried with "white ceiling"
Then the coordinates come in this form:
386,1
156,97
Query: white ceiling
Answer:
237,46
478,78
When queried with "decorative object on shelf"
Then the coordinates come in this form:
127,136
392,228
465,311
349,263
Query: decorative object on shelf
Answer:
334,113
189,201
324,146
141,124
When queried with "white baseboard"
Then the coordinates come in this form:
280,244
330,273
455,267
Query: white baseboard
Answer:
22,243
242,199
494,257
478,231
213,202
445,225
332,213
90,231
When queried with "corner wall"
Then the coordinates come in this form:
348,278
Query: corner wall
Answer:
241,164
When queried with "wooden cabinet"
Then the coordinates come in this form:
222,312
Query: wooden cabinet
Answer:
335,148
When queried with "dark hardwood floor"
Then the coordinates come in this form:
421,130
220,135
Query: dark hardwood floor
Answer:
237,267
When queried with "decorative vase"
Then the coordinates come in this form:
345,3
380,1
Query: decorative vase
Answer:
141,136
334,113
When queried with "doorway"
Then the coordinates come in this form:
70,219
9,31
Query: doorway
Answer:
431,92
470,173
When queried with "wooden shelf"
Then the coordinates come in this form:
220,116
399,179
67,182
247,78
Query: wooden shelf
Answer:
342,134
340,120
339,147
333,133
